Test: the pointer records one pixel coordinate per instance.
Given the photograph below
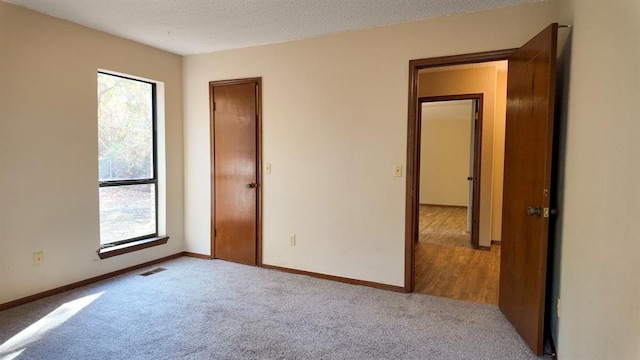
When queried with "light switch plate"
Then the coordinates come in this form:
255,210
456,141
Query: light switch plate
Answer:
38,258
397,170
267,168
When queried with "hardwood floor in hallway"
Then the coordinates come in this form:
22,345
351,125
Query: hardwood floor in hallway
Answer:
447,266
444,225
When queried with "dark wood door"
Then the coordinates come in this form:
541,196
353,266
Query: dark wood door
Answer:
235,162
527,181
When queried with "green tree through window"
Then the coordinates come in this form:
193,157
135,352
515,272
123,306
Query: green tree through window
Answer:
127,159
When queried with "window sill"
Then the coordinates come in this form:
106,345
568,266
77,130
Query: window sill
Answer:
132,246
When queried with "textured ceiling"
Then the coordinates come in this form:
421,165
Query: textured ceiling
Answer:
199,26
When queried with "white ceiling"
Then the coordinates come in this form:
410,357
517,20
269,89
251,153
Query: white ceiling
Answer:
198,26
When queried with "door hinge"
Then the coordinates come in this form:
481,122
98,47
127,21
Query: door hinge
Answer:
215,232
214,106
545,212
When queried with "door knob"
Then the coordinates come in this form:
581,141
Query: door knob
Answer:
534,211
251,185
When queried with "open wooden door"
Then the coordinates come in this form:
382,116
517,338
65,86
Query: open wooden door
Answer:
235,125
527,181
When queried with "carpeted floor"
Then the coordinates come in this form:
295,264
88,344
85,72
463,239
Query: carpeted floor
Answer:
201,309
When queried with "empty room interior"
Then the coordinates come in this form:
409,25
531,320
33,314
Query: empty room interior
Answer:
330,180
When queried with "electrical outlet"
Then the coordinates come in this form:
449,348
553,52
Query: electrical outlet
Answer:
397,170
292,239
38,258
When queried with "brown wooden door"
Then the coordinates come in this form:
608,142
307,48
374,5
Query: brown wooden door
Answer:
235,116
527,181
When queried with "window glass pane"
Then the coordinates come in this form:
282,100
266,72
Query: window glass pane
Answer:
125,128
126,212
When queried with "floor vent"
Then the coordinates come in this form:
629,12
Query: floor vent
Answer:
151,272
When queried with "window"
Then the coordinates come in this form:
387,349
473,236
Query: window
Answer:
127,158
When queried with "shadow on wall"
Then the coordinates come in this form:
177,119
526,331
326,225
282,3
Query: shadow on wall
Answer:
558,178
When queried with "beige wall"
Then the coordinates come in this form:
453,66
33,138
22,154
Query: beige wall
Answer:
482,80
48,149
500,120
333,133
599,242
445,147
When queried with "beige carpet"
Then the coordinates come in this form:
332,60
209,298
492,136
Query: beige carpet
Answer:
204,309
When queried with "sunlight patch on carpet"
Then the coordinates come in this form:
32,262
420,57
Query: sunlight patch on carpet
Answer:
12,356
14,346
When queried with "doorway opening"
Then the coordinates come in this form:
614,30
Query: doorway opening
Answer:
527,185
461,115
450,148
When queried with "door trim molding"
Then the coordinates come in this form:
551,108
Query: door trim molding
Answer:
413,137
477,155
212,84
